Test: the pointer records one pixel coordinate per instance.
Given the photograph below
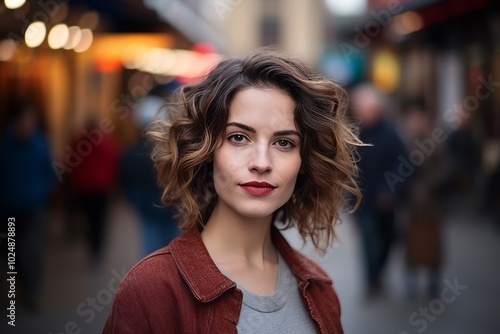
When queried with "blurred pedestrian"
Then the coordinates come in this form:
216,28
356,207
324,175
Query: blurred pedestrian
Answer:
375,216
492,194
93,181
423,198
261,143
26,180
141,188
464,162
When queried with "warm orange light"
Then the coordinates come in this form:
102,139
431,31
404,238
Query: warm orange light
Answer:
152,54
407,23
8,49
108,65
386,71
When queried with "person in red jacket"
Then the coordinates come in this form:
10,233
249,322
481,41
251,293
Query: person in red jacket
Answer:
261,144
93,181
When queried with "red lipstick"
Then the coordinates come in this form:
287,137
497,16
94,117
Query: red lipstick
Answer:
255,188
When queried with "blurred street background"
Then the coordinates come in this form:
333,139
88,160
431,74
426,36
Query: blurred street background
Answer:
80,80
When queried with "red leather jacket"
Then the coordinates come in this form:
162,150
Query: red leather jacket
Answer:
179,289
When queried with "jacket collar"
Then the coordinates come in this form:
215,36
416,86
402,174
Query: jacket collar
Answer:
301,266
207,282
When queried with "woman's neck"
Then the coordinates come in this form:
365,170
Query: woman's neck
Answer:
230,237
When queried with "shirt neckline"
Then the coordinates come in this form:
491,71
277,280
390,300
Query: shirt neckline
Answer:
274,302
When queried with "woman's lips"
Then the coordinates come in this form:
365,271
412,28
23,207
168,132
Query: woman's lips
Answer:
257,188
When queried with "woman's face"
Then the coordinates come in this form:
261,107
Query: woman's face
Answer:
256,167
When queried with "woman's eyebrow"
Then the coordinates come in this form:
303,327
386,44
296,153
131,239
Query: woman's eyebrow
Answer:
276,134
287,133
242,126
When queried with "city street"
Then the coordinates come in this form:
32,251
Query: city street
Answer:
108,106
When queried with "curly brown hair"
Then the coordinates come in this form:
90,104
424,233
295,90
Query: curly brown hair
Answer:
194,124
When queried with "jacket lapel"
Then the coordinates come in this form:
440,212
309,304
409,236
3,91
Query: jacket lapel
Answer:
197,267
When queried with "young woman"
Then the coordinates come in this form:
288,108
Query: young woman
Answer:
261,143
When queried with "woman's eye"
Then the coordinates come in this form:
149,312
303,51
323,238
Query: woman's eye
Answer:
285,143
237,138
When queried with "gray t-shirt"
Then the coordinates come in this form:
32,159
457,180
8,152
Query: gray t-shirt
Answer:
283,312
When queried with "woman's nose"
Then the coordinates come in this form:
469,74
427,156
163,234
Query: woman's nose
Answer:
260,160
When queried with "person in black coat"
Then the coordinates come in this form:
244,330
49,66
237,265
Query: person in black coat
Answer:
380,179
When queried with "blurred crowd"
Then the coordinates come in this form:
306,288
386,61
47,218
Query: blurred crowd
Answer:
98,169
412,173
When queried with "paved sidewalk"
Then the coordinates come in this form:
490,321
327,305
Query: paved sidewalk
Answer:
472,247
76,296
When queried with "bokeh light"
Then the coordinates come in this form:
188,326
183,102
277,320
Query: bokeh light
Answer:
74,37
386,71
89,20
85,41
407,23
13,4
8,49
58,36
35,34
347,8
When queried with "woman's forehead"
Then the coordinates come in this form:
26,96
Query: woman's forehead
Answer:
263,108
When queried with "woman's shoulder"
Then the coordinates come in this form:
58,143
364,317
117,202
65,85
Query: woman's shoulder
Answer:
152,287
155,269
